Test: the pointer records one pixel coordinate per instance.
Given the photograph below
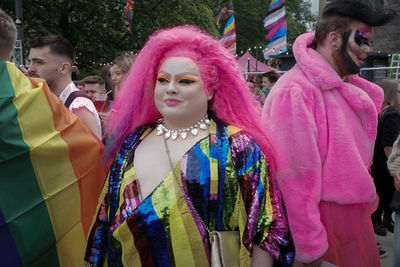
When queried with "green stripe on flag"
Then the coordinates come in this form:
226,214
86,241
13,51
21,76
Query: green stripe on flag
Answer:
21,201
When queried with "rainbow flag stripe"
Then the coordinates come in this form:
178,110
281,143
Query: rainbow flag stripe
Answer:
51,175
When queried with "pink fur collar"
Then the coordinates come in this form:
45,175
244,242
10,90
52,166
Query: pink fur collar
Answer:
323,76
315,66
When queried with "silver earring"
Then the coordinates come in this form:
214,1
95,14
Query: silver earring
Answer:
334,46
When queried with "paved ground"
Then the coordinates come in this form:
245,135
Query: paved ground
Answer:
387,245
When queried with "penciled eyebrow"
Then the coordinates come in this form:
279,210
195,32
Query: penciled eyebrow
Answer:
178,74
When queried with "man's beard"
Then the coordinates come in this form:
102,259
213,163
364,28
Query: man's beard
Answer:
346,63
352,67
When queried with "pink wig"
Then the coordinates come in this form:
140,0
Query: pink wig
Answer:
232,102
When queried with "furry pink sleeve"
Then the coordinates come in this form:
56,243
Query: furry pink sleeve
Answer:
289,116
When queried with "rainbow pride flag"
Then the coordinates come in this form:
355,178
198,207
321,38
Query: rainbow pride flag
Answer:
51,175
129,13
228,38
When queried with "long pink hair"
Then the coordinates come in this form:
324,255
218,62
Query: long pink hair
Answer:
232,102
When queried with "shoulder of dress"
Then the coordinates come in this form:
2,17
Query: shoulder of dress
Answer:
231,129
240,139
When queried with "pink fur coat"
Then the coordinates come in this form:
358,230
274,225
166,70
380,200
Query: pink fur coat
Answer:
322,129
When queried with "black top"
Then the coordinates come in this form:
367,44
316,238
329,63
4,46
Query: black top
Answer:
388,130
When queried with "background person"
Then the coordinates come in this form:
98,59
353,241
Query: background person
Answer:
8,36
268,80
388,130
119,69
184,79
105,73
322,121
80,85
393,165
51,58
95,89
93,85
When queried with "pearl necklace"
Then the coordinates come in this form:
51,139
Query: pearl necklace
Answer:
203,124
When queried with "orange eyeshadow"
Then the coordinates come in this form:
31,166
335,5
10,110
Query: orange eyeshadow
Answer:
186,78
163,77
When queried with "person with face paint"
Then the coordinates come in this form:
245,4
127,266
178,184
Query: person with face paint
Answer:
322,122
189,153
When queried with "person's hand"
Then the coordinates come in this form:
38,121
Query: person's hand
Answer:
397,181
316,263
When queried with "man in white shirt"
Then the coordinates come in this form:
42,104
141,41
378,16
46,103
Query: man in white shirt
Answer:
51,58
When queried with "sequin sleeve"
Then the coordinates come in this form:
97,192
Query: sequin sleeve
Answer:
97,242
96,246
263,208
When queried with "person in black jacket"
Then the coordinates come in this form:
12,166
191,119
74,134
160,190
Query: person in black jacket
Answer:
388,130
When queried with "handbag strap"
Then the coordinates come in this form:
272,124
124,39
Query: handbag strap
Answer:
185,196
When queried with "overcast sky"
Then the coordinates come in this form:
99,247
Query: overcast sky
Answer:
314,6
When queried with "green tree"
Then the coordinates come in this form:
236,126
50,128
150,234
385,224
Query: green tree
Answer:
299,19
99,30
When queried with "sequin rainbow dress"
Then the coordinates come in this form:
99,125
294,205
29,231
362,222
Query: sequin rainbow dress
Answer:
229,182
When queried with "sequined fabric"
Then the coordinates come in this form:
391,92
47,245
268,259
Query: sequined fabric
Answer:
229,182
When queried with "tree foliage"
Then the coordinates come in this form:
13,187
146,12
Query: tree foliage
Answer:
299,19
99,30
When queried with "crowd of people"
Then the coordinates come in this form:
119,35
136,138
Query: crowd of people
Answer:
193,149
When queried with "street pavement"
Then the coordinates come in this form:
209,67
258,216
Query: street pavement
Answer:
387,245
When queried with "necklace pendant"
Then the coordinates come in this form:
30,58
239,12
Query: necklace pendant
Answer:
174,135
159,130
194,131
167,135
203,126
183,135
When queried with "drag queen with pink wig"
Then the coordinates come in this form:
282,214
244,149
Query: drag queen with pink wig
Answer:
188,154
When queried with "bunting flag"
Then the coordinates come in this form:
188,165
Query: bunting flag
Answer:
275,4
51,175
275,24
274,17
278,31
276,47
225,13
229,33
129,12
229,36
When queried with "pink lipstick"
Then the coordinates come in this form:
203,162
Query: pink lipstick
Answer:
171,102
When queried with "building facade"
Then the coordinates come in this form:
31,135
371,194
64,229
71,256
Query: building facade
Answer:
387,38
